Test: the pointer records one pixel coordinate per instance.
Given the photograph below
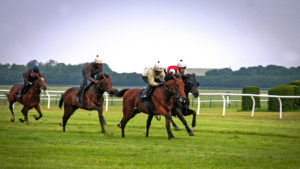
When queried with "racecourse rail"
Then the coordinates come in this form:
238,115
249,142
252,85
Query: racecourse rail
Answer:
51,93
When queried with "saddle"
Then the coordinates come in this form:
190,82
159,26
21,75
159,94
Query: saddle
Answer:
140,94
85,89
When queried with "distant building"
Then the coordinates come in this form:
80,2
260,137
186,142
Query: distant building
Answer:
198,71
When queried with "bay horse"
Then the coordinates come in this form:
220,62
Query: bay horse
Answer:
29,100
182,108
93,100
159,103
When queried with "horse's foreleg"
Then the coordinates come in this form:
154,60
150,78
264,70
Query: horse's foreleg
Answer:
180,116
189,112
101,118
150,116
25,112
170,134
38,109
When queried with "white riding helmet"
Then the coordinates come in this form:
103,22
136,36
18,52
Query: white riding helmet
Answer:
181,64
98,60
158,67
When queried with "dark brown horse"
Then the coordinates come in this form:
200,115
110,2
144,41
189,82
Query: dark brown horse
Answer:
181,109
93,100
30,99
160,103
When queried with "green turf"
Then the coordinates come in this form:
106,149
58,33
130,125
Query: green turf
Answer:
233,141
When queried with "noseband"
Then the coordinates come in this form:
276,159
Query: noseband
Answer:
175,93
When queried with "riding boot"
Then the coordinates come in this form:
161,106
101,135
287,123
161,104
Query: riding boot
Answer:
21,91
79,92
146,92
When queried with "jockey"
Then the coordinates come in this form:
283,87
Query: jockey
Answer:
152,77
88,72
181,67
29,76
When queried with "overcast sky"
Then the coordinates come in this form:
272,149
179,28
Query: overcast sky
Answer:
131,35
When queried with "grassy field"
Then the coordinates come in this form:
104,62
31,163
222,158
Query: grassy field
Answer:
233,141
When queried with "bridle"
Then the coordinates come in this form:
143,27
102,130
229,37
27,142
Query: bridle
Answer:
175,93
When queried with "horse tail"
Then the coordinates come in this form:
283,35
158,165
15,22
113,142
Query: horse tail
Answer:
121,93
61,101
7,95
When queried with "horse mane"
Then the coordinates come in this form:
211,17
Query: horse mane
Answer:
170,76
101,76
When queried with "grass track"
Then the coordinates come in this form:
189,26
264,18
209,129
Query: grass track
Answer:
234,141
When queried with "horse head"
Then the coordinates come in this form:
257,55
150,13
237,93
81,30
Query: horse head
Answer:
104,82
175,85
40,81
191,84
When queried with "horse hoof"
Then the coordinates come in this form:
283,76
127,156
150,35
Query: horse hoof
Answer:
35,117
12,120
27,122
177,128
191,134
119,125
61,124
21,120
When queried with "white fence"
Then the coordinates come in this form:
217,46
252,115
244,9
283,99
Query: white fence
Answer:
50,93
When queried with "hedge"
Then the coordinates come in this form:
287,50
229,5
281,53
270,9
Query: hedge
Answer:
247,100
284,90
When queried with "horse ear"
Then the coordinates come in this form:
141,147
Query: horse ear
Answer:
174,77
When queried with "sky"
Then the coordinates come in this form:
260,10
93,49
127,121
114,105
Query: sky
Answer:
130,35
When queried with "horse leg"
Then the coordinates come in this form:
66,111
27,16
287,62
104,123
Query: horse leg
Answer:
150,116
101,118
180,116
127,115
25,112
12,111
38,109
189,112
170,134
69,110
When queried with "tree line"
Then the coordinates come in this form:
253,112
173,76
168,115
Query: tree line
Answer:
67,74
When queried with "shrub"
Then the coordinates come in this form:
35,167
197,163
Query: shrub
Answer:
247,101
297,93
287,103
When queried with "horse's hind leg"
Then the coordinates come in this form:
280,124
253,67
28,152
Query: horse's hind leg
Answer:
38,109
25,113
69,110
127,115
150,116
12,111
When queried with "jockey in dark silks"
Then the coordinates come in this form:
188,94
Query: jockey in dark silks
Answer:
29,76
88,73
181,68
177,70
152,77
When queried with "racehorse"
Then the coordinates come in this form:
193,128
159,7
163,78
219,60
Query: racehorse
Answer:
159,103
182,108
29,100
92,100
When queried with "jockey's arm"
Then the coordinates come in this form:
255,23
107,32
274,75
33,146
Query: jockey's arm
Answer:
151,81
